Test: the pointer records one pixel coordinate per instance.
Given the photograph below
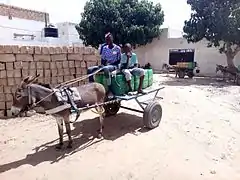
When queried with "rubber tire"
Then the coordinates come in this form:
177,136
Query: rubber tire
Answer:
190,74
149,113
112,109
181,74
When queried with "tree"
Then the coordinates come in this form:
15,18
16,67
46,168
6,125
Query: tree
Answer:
133,21
218,22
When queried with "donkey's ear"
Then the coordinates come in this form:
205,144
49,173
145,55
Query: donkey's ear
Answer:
33,79
26,80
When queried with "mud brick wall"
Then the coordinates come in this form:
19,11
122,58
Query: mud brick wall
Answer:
54,64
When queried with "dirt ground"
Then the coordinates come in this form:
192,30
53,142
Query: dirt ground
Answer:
198,138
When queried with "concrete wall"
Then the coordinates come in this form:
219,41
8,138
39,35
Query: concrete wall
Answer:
157,53
54,64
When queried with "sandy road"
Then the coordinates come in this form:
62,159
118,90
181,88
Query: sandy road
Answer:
198,138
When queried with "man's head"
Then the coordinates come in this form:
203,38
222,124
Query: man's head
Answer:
109,38
127,48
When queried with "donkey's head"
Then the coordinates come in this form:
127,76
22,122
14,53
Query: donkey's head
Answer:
22,95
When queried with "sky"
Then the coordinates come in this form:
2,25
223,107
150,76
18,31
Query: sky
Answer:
176,11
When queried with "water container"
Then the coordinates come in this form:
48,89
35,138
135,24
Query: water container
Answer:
119,84
150,77
100,78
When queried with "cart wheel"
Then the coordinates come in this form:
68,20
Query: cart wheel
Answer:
190,74
181,74
112,109
152,115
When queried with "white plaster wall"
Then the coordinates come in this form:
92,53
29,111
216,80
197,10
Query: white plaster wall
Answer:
9,27
157,53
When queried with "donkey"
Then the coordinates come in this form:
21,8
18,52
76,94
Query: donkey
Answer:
227,72
29,94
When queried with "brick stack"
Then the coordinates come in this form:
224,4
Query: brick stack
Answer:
54,64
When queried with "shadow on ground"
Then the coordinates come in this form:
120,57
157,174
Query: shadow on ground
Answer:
84,136
200,81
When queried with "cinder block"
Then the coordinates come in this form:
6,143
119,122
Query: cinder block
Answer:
71,64
59,65
26,49
17,73
7,89
70,50
2,66
58,57
7,58
40,71
51,50
25,65
78,57
14,88
78,50
18,65
5,49
15,49
8,97
10,73
10,81
58,50
89,58
24,57
84,71
2,107
65,64
91,63
54,72
37,50
47,73
60,72
3,81
17,82
2,97
9,66
89,51
79,71
67,78
32,72
2,113
60,79
9,113
39,65
72,71
83,64
54,80
3,73
40,57
47,80
64,49
8,105
77,63
1,89
45,50
53,65
66,71
32,65
46,65
24,73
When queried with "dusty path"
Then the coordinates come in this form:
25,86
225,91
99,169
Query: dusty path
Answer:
198,138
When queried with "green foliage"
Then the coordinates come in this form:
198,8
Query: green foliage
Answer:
137,22
217,21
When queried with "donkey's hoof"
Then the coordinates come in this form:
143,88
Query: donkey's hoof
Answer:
99,135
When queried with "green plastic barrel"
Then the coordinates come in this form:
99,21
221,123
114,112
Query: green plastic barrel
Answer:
239,67
100,78
119,84
191,65
137,81
150,77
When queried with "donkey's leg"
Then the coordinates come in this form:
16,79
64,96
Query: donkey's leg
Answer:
100,111
60,132
68,130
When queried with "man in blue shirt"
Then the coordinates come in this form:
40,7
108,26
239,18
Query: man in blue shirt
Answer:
110,59
129,66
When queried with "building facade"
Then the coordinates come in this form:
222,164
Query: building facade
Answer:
157,53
